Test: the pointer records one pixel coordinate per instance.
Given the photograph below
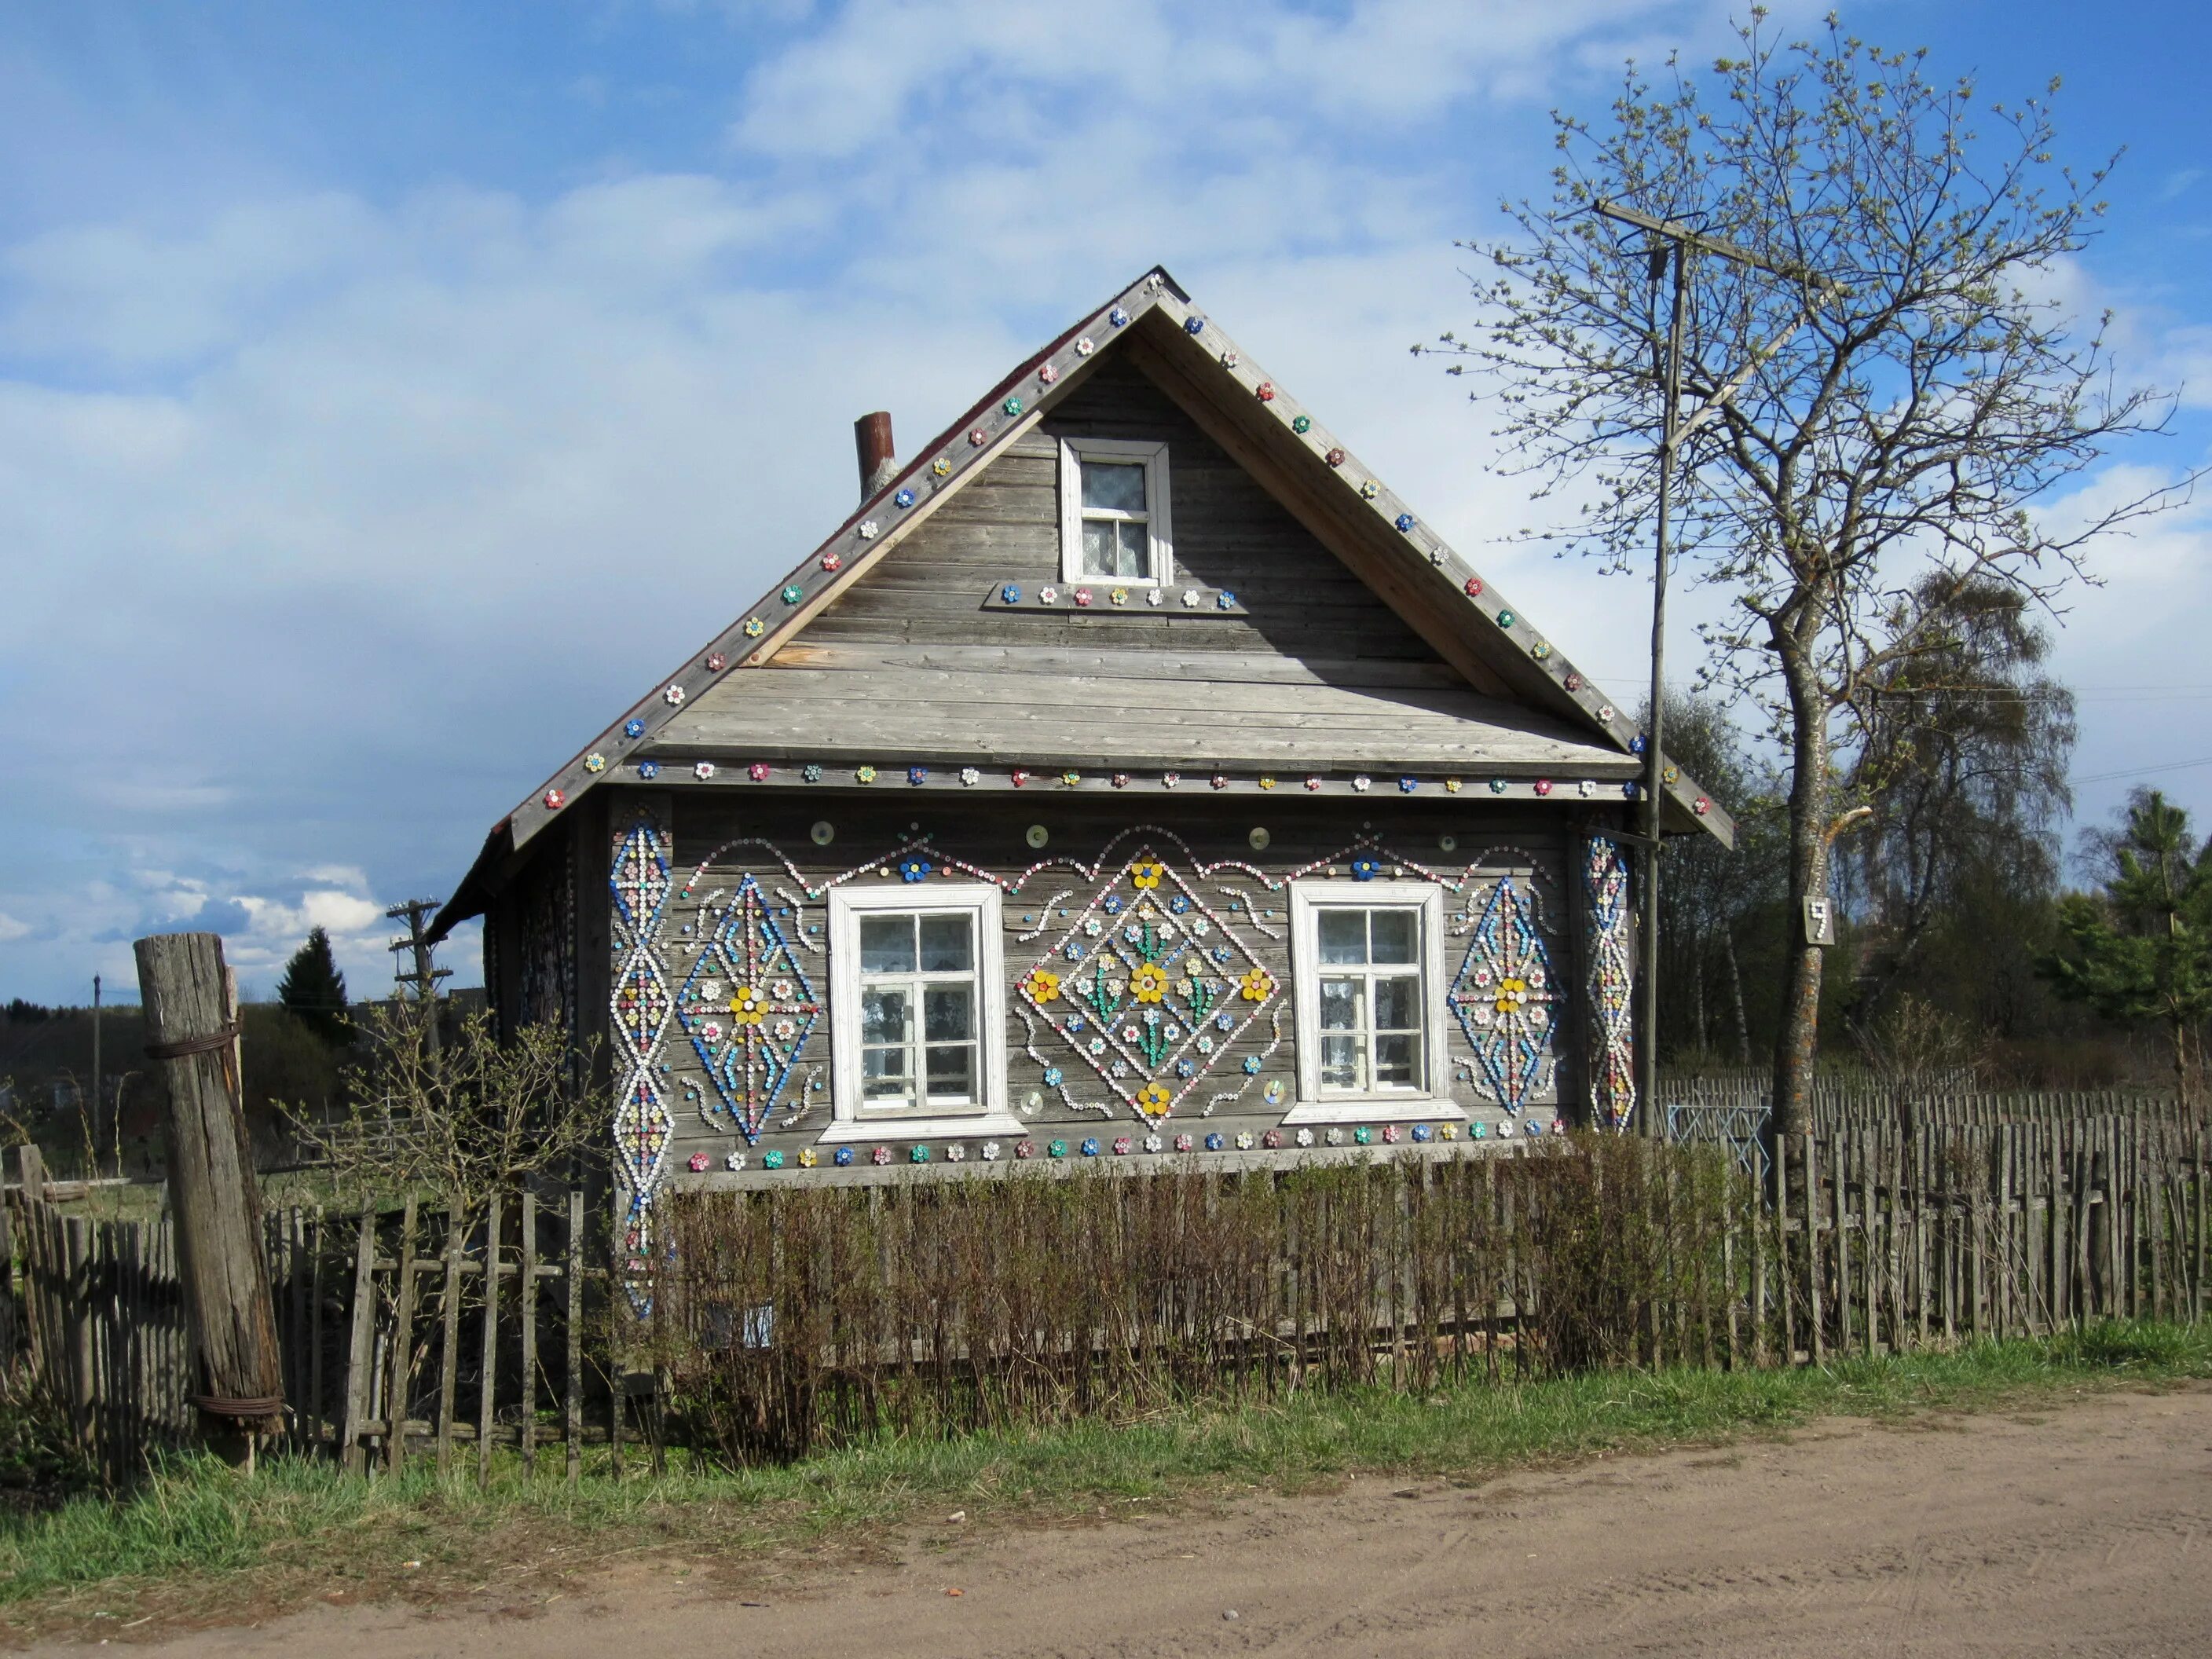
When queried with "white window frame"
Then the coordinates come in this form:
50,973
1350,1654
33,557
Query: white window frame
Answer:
1159,521
991,1115
1317,1105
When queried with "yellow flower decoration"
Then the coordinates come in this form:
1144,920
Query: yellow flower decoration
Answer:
748,1006
1147,876
1511,994
1044,985
808,1157
1148,982
1258,985
1153,1099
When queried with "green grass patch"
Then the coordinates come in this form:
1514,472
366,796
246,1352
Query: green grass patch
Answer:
201,1537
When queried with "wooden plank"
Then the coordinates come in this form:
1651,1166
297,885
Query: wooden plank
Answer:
318,1242
526,1287
449,1339
488,1395
573,1270
1108,662
400,1387
362,1348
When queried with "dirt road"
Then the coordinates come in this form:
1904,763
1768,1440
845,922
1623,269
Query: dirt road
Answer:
2080,1531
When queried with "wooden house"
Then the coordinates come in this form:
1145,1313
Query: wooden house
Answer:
1132,774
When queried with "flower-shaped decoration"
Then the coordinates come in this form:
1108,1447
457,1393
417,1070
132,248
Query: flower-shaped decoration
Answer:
903,498
1011,594
1257,985
1123,1145
1056,1149
969,777
1052,1075
843,1158
1169,780
1407,785
1083,598
808,1157
1047,596
1636,744
864,773
1370,490
831,562
1475,587
1153,1143
1586,788
1265,392
990,1152
1244,1140
1364,868
1048,374
1121,779
1018,776
757,771
1361,783
793,593
1214,1143
1071,779
1083,348
1229,360
1118,317
633,728
1042,985
1305,1137
1012,405
1267,782
648,770
1184,1143
1701,806
1498,786
1404,521
769,1160
1148,982
942,466
1334,457
1089,1146
1477,1131
1628,790
917,775
1362,1135
956,1153
1272,1139
917,1154
1144,875
1313,783
716,662
1505,619
1670,775
1025,1149
1335,1137
881,1155
1390,1133
1193,326
1451,787
1301,424
703,770
595,762
811,773
914,867
1219,781
1447,1132
754,628
1191,598
1573,681
673,696
869,531
1119,596
978,437
698,1161
1541,650
1225,600
749,1006
1543,785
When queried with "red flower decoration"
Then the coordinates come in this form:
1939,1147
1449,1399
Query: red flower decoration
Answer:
1543,785
698,1162
979,437
1265,392
758,770
1474,586
554,798
1574,682
1701,806
717,663
1020,777
1334,457
1083,597
830,561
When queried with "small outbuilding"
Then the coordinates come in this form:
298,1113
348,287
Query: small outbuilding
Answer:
1132,774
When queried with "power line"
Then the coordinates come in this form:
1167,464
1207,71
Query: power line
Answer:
2142,771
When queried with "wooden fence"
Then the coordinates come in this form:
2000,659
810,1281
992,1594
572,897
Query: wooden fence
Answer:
1842,1103
405,1335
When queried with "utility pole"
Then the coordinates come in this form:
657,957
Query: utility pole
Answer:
424,978
1672,244
94,1123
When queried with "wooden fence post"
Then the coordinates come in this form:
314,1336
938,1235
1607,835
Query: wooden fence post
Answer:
192,1031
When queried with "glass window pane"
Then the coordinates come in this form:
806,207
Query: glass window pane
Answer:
886,945
1099,547
1339,1004
1396,935
884,1076
1343,935
946,1015
1136,555
953,1072
1398,1004
1116,485
947,945
884,1012
1340,1067
1397,1062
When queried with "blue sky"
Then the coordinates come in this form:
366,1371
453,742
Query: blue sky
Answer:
388,393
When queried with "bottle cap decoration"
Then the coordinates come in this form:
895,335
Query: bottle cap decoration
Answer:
633,728
1302,424
917,775
673,695
1370,490
1193,326
1475,587
831,562
595,762
1036,834
1048,374
1229,360
1265,392
904,498
793,593
942,466
648,770
716,662
757,771
823,833
1083,348
1118,317
978,437
1012,405
1505,619
554,799
703,770
1405,521
754,628
865,773
1334,457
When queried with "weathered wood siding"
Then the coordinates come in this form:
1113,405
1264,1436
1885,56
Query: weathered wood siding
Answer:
719,840
1229,533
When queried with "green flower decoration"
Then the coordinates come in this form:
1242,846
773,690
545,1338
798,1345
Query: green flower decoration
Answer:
793,594
1302,423
1505,619
1058,1149
1013,406
1363,1135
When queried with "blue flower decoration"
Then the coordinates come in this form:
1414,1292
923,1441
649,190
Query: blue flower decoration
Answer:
1111,904
1365,869
1223,1021
1186,1068
633,728
1422,1132
1224,954
917,775
1012,593
1635,743
1407,785
811,773
1074,1023
1179,904
904,498
1193,326
648,770
1089,1146
1405,521
1498,786
913,869
1225,599
1251,1066
918,1154
844,1158
1073,951
1214,1143
1052,1077
1629,789
1117,317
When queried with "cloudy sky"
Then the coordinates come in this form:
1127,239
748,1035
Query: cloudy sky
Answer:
388,393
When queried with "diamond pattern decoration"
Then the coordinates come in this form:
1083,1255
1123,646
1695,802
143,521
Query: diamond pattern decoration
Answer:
1503,998
749,1009
1611,981
639,1005
1148,986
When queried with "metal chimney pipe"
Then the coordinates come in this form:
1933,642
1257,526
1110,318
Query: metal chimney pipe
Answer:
872,439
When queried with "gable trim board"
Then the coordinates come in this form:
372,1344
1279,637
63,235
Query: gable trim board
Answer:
1501,661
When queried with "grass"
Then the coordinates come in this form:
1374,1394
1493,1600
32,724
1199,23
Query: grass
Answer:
200,1541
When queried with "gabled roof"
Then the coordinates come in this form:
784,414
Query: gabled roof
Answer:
1513,709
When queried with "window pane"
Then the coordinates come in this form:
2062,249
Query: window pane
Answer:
884,1012
953,1072
1099,547
1396,933
1397,1062
1136,555
946,945
1116,485
945,1013
1340,1067
1339,1004
1343,935
883,1077
1398,1004
886,945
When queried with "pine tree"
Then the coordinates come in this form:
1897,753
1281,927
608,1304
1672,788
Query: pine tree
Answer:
2141,950
314,990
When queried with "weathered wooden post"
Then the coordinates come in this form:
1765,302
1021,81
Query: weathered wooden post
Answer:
193,1029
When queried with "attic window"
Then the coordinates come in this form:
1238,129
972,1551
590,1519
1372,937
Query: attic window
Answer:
1113,523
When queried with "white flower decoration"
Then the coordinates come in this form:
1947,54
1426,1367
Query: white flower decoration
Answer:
1155,599
1360,784
970,776
956,1153
711,1032
1190,599
703,770
673,695
1153,1143
868,532
990,1152
1083,348
734,1162
1336,1137
1586,788
1305,1137
1244,1141
712,990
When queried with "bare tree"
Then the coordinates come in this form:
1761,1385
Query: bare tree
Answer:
1907,405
